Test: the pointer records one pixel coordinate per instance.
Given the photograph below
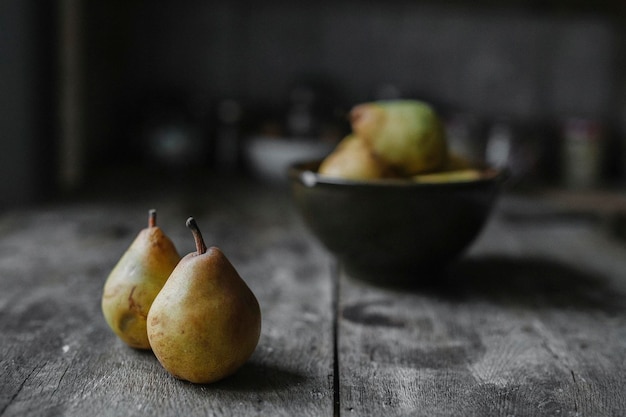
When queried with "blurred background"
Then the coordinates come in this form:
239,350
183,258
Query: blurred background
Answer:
94,87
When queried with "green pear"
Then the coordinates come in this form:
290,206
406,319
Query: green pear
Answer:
206,322
135,281
406,134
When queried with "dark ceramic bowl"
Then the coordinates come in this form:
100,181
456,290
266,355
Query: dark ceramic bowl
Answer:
393,229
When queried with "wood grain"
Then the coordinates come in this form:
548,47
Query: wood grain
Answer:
531,322
58,357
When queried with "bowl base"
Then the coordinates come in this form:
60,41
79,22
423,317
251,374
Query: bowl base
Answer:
404,276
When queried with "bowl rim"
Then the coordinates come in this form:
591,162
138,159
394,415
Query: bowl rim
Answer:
306,173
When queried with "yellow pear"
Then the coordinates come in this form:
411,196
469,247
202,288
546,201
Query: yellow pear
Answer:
135,281
460,175
206,322
353,159
406,134
457,168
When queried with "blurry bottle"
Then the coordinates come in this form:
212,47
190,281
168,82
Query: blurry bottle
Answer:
519,149
499,145
582,153
227,140
314,112
301,118
464,138
170,136
387,91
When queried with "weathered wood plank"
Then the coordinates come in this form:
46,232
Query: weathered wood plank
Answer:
58,358
532,322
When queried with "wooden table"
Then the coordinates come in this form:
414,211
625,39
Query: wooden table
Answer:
532,321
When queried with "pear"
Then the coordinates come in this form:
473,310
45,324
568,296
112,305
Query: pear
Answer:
353,159
135,281
457,168
460,175
406,134
206,322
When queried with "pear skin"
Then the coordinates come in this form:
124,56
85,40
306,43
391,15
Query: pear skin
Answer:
206,322
460,175
406,134
135,281
353,159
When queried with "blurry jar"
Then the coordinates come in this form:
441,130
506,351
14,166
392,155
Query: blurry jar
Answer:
498,152
582,153
464,136
518,147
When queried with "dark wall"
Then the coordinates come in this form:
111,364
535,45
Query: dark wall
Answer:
517,60
516,63
27,135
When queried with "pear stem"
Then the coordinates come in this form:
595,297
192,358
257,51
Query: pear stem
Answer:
152,218
197,236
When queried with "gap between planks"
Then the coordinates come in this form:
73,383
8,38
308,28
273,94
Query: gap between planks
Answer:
335,274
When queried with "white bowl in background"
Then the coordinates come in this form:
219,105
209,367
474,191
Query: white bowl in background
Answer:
269,158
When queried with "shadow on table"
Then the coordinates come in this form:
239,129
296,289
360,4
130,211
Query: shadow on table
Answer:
528,282
531,282
261,377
